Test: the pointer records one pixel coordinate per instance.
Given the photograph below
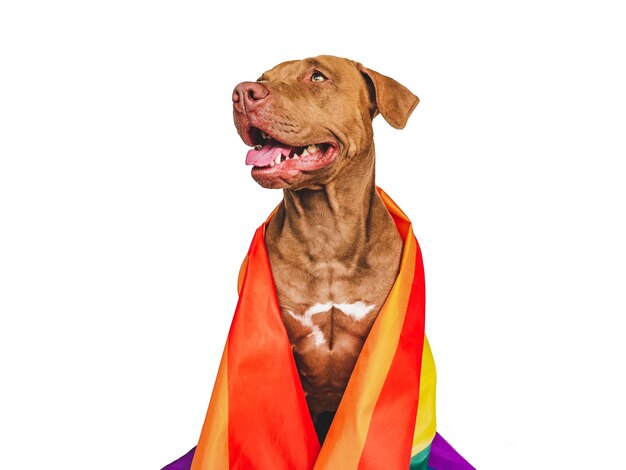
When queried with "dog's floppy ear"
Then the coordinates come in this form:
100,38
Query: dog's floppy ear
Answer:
394,101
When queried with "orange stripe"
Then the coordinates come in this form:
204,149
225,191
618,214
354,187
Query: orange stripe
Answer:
242,272
212,450
390,436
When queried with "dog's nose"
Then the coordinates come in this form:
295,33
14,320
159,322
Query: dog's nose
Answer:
248,95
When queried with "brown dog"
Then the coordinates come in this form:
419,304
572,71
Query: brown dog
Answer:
334,249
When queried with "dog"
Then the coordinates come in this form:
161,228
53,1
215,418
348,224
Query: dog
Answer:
333,247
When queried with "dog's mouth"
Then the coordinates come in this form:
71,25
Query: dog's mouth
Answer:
271,155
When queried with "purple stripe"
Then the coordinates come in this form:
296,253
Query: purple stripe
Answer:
442,457
183,463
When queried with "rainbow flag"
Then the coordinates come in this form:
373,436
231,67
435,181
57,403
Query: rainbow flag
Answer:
258,417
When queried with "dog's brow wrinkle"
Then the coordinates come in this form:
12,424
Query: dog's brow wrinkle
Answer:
315,63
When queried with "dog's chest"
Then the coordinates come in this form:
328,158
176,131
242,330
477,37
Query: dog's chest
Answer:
328,312
327,333
328,305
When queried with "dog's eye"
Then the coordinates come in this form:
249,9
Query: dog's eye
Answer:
318,77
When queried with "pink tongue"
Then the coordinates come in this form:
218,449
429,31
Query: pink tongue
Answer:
267,154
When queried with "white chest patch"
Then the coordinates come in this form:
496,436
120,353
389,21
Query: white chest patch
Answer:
356,311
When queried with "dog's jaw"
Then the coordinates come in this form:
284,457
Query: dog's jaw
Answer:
282,159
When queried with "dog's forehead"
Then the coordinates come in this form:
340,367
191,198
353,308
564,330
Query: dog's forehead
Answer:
326,64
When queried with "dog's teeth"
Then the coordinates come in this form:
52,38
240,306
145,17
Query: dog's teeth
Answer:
295,155
265,136
258,147
305,153
277,160
312,148
271,164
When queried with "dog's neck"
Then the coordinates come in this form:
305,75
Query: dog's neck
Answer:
336,222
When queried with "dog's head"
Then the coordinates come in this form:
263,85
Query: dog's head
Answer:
308,120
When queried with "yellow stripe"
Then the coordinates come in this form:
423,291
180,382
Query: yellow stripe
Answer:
425,426
212,450
346,437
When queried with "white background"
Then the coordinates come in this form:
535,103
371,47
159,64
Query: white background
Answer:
126,209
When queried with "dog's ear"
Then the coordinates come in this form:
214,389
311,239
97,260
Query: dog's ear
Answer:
393,100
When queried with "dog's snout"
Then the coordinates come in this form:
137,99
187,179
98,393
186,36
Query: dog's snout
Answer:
248,95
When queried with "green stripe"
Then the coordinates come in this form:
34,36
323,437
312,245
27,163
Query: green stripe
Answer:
420,460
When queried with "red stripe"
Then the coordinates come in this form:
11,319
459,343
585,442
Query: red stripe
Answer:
390,434
269,422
